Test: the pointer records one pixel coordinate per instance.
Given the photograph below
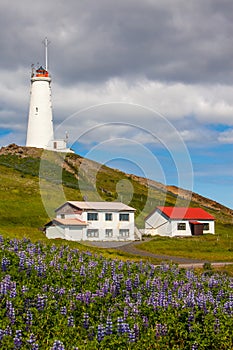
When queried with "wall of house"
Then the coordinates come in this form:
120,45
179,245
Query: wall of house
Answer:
69,212
174,230
75,233
115,225
101,225
211,226
71,233
157,224
53,232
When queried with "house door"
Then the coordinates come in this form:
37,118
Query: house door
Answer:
196,228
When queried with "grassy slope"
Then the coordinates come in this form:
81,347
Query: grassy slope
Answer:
22,211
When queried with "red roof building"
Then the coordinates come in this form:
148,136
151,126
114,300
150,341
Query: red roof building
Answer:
185,213
179,221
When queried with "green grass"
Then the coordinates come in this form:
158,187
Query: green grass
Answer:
218,247
22,211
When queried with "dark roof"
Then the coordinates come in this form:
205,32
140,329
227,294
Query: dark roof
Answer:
41,68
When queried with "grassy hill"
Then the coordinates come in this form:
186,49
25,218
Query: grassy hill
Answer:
33,182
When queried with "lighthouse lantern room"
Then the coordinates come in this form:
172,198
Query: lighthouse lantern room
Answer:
40,119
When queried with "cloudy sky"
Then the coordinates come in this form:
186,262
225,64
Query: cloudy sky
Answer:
146,86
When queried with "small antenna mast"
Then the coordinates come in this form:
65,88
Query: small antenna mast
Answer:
46,44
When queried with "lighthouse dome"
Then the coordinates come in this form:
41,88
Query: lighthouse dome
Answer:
41,72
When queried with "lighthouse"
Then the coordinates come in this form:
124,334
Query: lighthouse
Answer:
40,132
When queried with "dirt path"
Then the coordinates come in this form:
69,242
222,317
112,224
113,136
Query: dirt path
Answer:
131,248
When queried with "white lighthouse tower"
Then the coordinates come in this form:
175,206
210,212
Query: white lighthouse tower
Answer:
40,119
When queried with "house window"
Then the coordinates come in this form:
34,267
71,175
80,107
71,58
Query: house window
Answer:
108,216
124,217
206,226
108,232
124,233
62,216
181,226
92,216
92,233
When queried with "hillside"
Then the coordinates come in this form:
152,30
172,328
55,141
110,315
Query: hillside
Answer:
21,188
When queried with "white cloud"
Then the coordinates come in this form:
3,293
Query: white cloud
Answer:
226,137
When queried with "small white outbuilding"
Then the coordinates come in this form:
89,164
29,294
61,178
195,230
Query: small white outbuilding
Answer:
94,221
179,221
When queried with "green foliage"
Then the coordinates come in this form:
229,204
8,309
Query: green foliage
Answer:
207,247
22,211
60,298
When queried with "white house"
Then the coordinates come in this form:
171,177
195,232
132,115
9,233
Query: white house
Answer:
94,221
179,221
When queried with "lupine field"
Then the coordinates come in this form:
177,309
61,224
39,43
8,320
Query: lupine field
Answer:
59,298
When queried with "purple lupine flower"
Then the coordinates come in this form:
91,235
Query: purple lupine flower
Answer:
41,301
120,265
113,267
18,339
82,271
58,345
128,284
190,320
13,292
63,310
29,264
10,311
161,330
35,347
86,320
61,291
87,297
32,340
70,321
2,333
126,312
194,346
8,330
24,289
91,333
145,321
108,328
125,328
100,332
29,318
3,288
132,337
216,325
40,267
231,297
136,281
5,263
22,258
120,322
228,307
220,295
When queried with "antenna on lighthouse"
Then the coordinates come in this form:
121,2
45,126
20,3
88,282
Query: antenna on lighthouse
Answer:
46,44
